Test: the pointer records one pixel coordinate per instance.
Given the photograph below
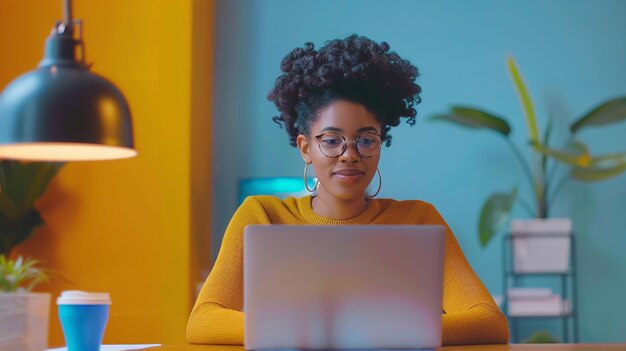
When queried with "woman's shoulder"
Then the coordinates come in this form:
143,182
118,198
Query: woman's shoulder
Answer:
408,211
269,202
277,210
393,204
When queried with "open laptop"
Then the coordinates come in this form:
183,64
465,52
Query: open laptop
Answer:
343,287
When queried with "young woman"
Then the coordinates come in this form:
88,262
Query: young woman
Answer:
338,105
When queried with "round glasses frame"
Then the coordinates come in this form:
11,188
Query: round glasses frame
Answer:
344,145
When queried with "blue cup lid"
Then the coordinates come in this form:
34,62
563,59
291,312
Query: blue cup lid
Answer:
77,297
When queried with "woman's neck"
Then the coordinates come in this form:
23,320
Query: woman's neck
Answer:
331,207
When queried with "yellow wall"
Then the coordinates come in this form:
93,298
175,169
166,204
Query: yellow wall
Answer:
201,112
131,227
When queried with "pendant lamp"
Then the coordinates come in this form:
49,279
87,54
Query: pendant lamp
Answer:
61,111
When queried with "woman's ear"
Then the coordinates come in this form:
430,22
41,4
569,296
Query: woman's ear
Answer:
304,146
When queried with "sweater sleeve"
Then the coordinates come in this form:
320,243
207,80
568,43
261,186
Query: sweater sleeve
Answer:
216,317
470,314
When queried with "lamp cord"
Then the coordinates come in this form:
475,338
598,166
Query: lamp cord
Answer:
68,27
67,13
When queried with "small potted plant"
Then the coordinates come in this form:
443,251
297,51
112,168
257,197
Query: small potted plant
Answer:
24,315
542,175
541,337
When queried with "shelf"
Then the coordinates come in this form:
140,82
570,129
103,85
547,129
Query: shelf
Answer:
566,273
567,315
565,278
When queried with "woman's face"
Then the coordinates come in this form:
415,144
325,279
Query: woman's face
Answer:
346,176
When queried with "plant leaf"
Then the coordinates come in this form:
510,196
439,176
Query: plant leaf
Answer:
474,118
608,160
601,168
16,230
548,133
21,184
544,158
611,111
525,100
575,154
494,215
13,274
25,182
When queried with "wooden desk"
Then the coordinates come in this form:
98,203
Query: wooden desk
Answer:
510,347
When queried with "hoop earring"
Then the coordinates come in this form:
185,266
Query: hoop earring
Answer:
380,183
306,184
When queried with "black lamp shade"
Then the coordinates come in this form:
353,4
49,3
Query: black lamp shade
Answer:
63,112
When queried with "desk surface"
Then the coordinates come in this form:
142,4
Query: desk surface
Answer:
511,347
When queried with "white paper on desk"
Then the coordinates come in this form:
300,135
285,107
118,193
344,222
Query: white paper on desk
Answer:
115,347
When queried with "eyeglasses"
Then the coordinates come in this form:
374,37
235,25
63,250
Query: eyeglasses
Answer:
334,145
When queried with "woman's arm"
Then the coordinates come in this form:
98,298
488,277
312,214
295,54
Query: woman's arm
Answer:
480,324
211,323
470,314
216,317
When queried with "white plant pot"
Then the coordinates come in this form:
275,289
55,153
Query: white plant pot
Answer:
541,245
24,321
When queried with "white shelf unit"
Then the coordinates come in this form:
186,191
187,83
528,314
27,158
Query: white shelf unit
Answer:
567,291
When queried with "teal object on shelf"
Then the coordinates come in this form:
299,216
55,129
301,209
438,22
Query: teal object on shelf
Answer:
281,187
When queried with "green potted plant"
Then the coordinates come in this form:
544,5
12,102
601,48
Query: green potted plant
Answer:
21,184
541,171
541,337
24,315
20,275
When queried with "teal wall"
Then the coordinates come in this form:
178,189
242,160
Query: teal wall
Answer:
572,54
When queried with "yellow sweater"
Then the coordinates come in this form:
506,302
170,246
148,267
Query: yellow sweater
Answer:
470,315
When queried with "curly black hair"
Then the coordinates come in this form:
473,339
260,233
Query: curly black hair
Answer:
356,69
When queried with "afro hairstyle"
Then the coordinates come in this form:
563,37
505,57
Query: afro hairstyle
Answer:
356,69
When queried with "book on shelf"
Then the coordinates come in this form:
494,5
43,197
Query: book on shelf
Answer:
528,293
552,305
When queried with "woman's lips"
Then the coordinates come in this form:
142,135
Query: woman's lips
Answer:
348,176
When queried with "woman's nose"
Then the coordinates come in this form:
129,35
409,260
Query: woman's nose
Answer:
351,153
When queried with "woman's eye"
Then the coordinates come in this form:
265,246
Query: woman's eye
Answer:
331,141
368,140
